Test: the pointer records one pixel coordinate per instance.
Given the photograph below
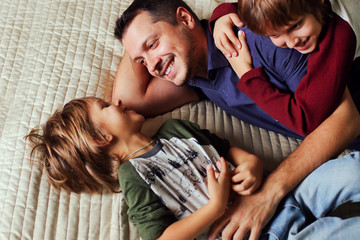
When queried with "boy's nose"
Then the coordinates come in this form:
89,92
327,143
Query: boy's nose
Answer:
291,41
118,103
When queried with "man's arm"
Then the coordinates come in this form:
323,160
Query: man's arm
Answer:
251,213
137,89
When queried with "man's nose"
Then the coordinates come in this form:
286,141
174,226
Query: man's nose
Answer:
153,63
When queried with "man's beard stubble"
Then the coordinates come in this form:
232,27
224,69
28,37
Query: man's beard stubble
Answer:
192,60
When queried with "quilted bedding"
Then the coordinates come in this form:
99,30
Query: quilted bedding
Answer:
52,52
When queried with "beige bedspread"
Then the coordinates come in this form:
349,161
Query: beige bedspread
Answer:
52,52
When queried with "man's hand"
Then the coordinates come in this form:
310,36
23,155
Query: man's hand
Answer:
249,214
246,216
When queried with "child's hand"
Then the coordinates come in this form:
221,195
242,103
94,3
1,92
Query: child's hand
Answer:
224,36
247,176
243,62
219,187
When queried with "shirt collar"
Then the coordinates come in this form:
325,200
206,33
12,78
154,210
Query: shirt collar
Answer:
215,57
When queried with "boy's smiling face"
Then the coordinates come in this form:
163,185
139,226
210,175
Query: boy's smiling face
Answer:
113,119
302,34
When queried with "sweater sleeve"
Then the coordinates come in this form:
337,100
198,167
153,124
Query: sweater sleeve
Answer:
221,10
319,91
146,210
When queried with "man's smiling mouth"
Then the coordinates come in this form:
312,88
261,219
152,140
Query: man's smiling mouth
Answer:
169,68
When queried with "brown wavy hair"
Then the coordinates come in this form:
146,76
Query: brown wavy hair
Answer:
262,15
72,153
159,10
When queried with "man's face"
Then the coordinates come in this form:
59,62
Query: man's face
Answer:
164,49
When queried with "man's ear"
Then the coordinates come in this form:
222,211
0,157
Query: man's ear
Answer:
185,17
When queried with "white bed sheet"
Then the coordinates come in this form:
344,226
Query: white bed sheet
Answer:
50,53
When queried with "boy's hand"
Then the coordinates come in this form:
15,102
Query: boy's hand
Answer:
219,187
247,177
243,62
224,36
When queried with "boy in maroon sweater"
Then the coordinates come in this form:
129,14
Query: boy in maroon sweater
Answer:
328,39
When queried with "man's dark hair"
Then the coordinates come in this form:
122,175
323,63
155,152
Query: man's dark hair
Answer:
160,10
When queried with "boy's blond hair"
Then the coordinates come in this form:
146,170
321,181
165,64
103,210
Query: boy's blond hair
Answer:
262,16
71,152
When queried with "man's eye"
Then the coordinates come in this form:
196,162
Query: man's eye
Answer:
152,45
142,61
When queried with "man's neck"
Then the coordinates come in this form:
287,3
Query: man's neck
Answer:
202,63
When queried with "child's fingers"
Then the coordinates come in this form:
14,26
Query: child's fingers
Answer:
238,176
243,177
224,170
219,165
242,187
242,40
233,43
223,49
227,45
241,173
218,43
236,20
221,43
210,174
245,188
210,171
247,191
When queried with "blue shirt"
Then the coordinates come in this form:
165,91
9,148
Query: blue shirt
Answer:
284,68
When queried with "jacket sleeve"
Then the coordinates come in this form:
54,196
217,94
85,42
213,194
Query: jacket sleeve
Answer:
221,10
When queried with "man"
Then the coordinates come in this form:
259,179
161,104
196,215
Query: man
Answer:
175,46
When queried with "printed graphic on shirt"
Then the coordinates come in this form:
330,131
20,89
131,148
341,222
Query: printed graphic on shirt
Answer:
177,173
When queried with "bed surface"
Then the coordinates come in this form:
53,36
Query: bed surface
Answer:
54,51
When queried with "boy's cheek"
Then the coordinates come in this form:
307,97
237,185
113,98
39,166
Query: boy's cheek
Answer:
278,43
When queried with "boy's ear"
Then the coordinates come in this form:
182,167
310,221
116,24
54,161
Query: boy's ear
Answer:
109,138
185,17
